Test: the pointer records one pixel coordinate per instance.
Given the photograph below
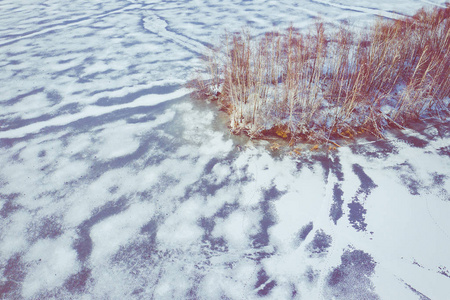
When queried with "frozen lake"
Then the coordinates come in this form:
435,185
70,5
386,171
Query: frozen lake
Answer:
114,184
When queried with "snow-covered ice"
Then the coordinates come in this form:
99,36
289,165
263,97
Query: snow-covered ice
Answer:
114,184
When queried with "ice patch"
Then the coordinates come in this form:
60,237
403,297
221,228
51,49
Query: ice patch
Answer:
117,230
13,233
237,228
117,140
221,172
91,111
180,230
53,261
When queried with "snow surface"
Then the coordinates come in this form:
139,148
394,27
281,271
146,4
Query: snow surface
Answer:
114,184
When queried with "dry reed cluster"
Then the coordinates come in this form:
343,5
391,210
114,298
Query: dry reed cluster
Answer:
317,86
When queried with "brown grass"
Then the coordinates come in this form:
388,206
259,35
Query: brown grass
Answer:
313,86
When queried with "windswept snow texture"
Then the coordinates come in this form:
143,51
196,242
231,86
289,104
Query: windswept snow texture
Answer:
114,184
